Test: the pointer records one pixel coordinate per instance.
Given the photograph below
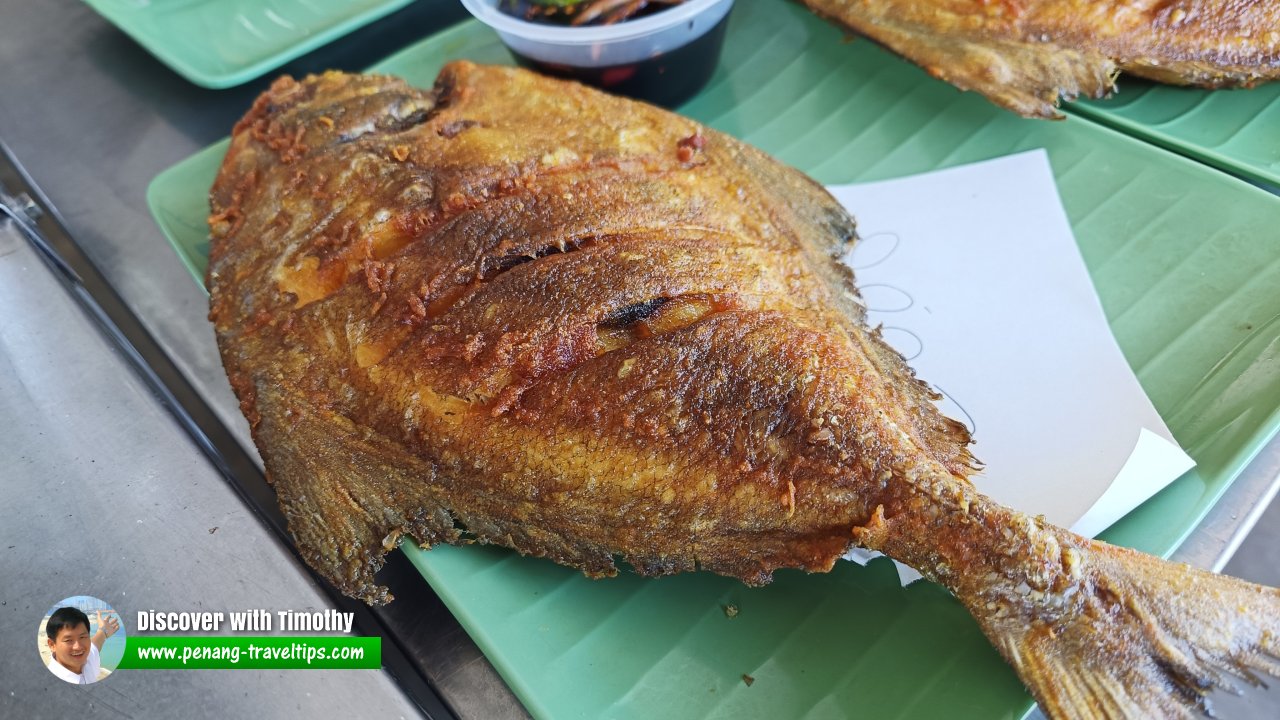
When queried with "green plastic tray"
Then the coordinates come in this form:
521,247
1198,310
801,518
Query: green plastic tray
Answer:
1236,130
221,43
1185,259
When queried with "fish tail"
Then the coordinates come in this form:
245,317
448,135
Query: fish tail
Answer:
1116,633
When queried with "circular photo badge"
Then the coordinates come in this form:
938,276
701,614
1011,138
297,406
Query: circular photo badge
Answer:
81,639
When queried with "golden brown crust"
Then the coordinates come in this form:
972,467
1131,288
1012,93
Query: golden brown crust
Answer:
420,270
1026,54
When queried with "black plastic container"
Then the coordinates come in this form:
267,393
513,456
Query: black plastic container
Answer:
664,58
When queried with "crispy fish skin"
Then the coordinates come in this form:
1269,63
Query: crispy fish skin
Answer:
1025,54
520,311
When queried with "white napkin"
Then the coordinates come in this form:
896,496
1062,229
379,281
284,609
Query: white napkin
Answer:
977,279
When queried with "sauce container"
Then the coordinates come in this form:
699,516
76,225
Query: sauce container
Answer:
664,58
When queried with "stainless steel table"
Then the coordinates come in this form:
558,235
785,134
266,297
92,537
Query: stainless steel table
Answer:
108,496
92,118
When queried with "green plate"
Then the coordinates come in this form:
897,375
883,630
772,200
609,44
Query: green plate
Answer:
1185,259
1236,130
221,43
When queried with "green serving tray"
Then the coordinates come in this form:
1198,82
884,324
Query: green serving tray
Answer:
1236,130
1185,259
222,43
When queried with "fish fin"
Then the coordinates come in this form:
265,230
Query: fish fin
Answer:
347,493
1140,637
946,440
1027,76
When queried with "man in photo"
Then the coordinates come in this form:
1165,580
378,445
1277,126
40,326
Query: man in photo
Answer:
76,656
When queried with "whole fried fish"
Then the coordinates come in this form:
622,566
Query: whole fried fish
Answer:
520,311
1025,54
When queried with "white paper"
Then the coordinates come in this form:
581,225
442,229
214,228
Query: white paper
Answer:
976,278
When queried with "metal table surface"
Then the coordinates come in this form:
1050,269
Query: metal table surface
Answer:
93,117
107,496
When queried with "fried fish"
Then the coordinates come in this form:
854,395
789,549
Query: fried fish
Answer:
518,311
1025,54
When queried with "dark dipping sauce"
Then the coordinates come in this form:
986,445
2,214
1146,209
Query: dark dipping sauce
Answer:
667,79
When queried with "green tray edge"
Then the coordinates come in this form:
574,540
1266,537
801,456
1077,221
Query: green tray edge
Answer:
220,80
1142,131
